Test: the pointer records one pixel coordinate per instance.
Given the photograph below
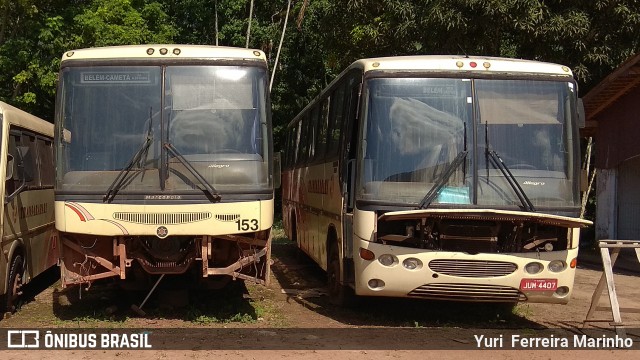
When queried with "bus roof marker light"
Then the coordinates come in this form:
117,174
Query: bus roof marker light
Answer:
375,64
459,64
150,51
163,51
486,65
473,64
176,51
256,53
565,69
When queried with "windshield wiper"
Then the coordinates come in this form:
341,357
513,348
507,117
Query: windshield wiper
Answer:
497,162
122,175
442,180
213,194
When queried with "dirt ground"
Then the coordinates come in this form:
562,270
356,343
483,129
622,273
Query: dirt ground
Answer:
294,309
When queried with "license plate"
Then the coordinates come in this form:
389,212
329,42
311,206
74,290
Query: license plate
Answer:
539,284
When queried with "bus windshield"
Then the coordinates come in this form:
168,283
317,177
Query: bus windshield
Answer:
126,117
416,127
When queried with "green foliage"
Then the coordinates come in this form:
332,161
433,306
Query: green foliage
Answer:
118,22
34,34
323,36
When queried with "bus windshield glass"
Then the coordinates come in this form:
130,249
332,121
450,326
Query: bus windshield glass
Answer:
416,127
126,117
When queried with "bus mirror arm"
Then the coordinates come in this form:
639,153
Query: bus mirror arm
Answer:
8,198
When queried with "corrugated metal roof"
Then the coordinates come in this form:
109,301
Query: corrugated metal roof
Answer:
618,83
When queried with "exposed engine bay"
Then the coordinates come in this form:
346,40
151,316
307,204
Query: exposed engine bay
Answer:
474,233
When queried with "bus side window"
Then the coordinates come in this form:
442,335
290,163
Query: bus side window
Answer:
31,163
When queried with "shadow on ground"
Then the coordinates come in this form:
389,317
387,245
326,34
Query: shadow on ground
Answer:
173,300
305,282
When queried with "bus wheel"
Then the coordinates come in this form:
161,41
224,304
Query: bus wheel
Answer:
14,289
339,294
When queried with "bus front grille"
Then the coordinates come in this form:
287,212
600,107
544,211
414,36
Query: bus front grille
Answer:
472,268
468,292
227,217
161,218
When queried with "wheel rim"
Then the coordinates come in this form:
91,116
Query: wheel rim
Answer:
15,293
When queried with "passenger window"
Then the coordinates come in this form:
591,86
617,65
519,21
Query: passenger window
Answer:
31,163
45,159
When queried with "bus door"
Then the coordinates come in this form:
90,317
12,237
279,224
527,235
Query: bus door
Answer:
349,149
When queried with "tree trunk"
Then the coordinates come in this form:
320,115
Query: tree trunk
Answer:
215,7
284,28
587,165
249,26
4,4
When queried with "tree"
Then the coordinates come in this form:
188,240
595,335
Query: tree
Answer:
37,33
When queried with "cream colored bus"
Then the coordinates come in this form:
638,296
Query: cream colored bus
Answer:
439,177
164,165
29,241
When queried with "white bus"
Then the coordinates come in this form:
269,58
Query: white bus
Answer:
164,165
29,242
439,177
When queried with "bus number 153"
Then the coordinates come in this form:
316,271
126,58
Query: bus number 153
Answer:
247,224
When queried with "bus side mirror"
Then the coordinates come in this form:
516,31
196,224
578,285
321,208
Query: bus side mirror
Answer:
582,121
10,165
25,171
277,169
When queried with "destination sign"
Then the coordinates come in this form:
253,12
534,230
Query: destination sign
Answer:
119,77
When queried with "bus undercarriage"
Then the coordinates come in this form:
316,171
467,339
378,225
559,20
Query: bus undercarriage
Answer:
211,260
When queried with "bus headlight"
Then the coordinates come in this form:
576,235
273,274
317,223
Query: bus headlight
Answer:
562,291
388,260
533,268
556,266
375,284
412,264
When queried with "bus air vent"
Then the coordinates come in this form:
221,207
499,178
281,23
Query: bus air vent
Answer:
227,217
472,268
161,218
468,292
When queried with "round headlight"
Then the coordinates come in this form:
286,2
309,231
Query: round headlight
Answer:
533,267
412,264
562,291
556,266
388,260
375,284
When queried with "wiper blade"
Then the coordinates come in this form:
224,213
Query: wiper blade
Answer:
122,175
213,194
119,181
442,180
524,199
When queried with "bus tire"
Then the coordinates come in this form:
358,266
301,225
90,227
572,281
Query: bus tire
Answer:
13,299
339,294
